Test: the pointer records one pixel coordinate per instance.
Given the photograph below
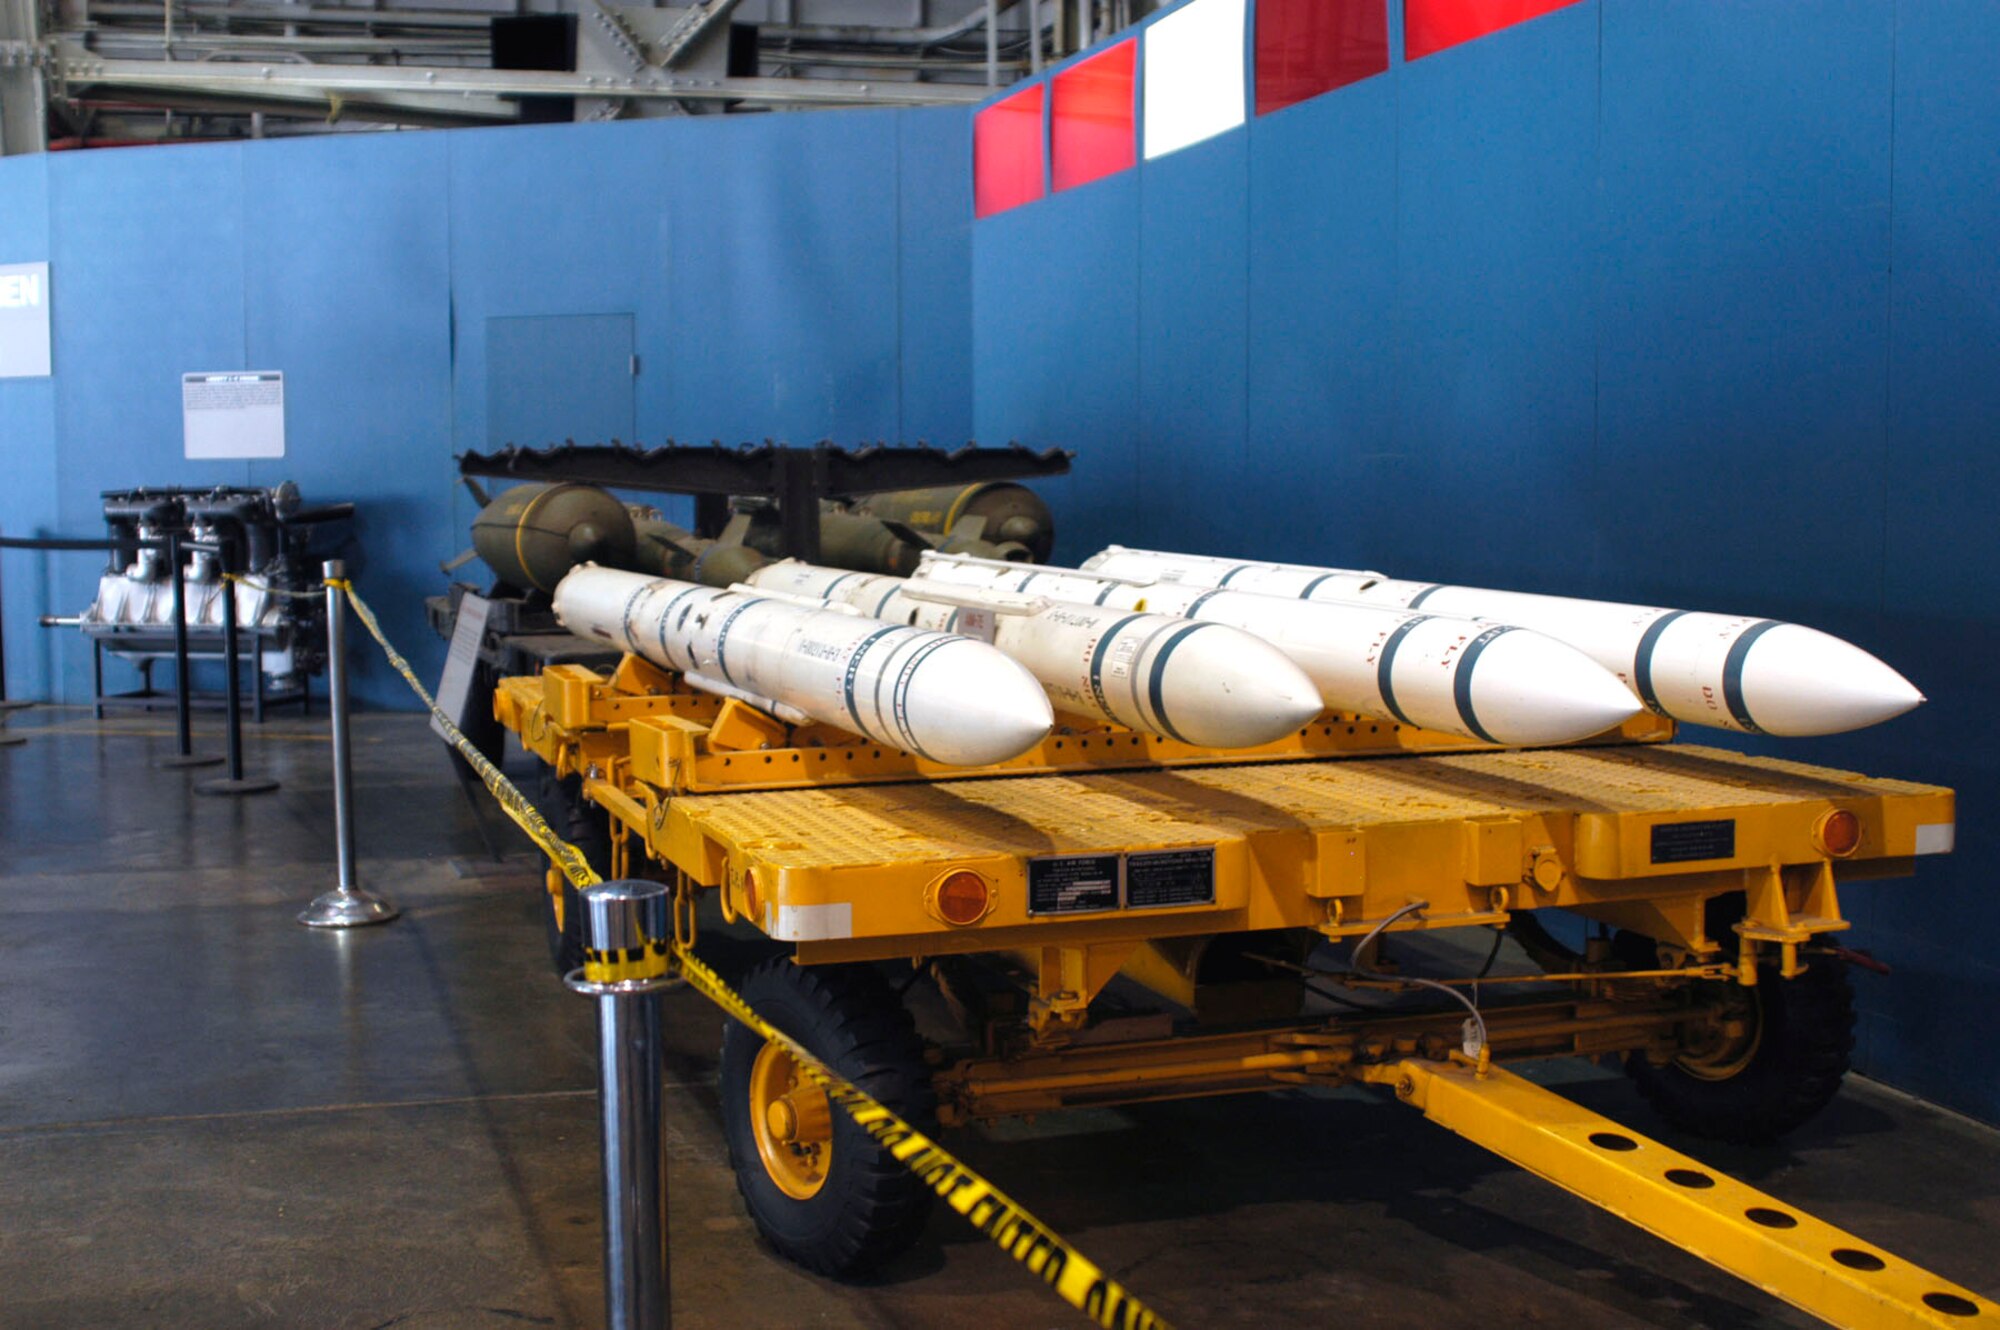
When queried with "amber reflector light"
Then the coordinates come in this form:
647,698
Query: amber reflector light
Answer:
1839,833
962,898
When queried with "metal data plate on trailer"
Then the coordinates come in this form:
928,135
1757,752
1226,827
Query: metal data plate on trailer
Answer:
1161,878
1689,842
1073,883
1141,880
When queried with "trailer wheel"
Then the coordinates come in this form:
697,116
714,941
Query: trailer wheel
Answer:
1773,1062
587,827
818,1187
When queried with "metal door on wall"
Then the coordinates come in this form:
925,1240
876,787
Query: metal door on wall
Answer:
561,376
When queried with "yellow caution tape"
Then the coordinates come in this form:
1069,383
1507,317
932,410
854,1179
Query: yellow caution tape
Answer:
1076,1279
267,589
564,855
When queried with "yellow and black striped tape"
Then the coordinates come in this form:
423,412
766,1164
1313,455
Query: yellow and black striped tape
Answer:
560,852
610,967
1074,1277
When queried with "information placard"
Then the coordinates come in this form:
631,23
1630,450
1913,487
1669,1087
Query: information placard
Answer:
1073,883
233,414
1157,879
24,320
461,663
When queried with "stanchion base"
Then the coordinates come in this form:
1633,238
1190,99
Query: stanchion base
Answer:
246,785
347,909
178,762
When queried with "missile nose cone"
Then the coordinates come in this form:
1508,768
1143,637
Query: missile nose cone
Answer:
1220,687
1798,681
970,706
1528,688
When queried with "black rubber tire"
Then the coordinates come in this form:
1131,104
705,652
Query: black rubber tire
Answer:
587,827
870,1208
1807,1032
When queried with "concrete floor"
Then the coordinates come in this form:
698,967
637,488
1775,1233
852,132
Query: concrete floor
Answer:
212,1117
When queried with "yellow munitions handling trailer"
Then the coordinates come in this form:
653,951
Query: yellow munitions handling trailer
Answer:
1114,917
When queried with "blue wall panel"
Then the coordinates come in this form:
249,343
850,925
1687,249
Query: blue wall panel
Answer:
558,220
347,282
1056,349
1495,190
784,289
1193,343
1941,574
552,376
1322,306
934,276
1746,166
27,447
149,247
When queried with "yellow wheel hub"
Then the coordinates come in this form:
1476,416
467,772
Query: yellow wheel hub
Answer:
793,1123
1729,1042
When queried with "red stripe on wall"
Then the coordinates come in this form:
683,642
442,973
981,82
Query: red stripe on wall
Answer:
1432,25
1091,117
1007,152
1307,47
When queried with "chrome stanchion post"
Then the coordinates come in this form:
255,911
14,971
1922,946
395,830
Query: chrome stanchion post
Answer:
6,740
183,701
627,933
235,782
347,906
3,636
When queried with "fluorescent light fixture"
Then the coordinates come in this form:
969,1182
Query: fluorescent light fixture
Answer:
1194,75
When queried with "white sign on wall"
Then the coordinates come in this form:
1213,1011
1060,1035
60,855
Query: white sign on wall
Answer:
24,320
233,414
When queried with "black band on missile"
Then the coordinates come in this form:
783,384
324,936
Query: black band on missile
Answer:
1461,679
854,668
1197,603
632,603
1423,595
1312,586
951,624
1156,684
1385,668
1097,661
722,639
900,694
667,614
1241,567
882,603
827,594
1732,672
1642,659
1024,581
1105,594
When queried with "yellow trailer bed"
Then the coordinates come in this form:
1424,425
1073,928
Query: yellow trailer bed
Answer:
1222,888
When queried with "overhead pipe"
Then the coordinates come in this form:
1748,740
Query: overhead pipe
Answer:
867,35
295,15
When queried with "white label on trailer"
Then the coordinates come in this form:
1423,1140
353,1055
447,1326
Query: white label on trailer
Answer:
814,923
233,414
1937,837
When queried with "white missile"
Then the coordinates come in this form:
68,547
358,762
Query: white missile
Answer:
1756,676
1498,683
1201,683
939,695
